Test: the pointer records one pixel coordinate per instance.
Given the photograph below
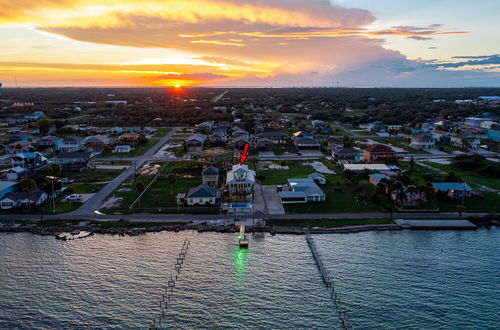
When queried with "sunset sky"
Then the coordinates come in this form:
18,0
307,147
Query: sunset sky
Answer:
352,43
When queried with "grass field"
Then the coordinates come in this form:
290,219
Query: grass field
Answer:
296,170
91,175
489,203
61,207
470,177
161,132
85,188
137,150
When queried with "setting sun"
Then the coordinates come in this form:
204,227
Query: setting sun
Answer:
177,85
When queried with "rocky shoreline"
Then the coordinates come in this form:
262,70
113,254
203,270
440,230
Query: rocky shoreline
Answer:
66,231
58,231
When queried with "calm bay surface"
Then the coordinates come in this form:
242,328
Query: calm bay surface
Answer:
388,280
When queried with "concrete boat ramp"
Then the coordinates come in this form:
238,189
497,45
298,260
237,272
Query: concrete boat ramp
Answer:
436,224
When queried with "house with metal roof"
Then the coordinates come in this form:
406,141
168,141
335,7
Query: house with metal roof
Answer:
240,181
379,153
375,178
302,191
201,195
29,160
453,189
19,199
7,187
210,176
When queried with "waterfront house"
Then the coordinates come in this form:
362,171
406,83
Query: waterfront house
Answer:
240,181
422,141
23,199
453,189
210,176
201,195
302,191
31,161
377,154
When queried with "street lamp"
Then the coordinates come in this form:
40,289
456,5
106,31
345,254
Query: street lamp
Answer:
53,199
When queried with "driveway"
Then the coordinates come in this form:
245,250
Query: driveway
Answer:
270,200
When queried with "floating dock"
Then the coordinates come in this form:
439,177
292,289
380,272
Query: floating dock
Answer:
242,237
436,224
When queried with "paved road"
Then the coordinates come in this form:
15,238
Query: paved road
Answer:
93,204
348,131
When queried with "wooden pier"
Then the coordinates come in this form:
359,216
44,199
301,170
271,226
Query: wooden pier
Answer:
335,296
317,257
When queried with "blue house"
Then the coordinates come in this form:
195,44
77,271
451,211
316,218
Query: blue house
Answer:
494,135
7,187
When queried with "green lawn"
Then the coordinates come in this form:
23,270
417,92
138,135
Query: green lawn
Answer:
469,176
86,188
160,198
137,150
329,223
296,170
161,132
92,175
61,207
489,203
336,202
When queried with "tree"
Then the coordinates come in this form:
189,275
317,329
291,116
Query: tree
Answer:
44,125
28,185
412,190
54,169
412,163
139,186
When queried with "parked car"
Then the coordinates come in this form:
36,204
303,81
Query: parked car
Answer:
74,197
66,180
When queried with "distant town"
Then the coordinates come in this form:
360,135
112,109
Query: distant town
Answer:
314,153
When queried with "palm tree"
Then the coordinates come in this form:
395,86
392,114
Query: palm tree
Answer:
28,185
412,190
412,163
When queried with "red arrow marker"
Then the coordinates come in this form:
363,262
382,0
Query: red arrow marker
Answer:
243,156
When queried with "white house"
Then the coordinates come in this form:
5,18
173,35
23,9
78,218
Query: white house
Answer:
23,199
122,149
